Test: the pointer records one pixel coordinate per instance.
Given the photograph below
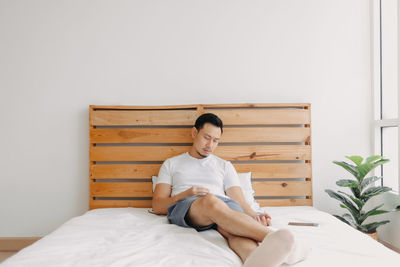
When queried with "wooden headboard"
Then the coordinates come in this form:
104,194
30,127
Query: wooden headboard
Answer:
129,143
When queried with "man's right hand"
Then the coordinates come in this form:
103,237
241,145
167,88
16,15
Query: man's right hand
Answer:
197,191
162,196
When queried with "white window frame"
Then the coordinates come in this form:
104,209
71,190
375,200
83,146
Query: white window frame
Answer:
378,122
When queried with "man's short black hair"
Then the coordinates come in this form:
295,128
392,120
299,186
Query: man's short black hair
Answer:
208,118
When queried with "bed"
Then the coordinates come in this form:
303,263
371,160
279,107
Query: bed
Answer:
128,145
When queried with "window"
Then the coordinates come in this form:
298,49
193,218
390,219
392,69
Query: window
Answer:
385,54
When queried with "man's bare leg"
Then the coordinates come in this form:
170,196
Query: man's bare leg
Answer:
276,247
242,246
210,209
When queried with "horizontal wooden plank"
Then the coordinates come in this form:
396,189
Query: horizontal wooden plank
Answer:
121,189
122,107
136,153
278,152
99,204
284,202
258,105
183,135
233,153
282,188
143,117
279,170
144,189
144,135
188,117
266,134
233,105
124,171
263,116
131,171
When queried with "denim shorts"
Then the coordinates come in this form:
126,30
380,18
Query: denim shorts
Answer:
178,212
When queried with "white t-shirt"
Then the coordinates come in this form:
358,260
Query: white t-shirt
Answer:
184,171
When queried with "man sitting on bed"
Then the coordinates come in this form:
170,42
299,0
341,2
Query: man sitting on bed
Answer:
200,190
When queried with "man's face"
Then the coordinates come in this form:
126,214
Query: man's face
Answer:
206,140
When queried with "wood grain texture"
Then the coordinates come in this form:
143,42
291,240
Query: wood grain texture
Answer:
188,117
282,188
136,153
121,189
183,135
262,152
143,117
278,170
232,153
145,136
100,204
284,202
124,171
144,189
142,171
202,106
262,116
96,204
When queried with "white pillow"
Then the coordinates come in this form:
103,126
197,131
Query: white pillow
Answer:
154,181
248,191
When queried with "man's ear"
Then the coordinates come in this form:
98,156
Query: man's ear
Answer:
194,132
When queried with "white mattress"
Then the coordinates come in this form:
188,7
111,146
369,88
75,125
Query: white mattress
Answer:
134,237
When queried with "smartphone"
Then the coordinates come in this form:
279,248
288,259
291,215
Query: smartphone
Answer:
302,224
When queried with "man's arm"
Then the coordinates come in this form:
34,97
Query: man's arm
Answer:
162,196
236,193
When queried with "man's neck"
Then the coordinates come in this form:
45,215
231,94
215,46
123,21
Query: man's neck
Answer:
193,152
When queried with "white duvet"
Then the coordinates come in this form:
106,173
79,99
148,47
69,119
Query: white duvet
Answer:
134,237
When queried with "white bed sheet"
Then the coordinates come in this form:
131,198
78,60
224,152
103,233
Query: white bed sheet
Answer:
134,237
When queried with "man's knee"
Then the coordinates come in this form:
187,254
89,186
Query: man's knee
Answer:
212,203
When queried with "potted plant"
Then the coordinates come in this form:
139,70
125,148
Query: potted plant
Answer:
362,189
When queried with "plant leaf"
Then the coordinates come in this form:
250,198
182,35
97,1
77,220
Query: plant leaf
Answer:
374,211
350,168
355,191
334,195
371,227
368,181
373,191
349,218
347,204
347,183
365,168
356,159
372,158
342,219
358,202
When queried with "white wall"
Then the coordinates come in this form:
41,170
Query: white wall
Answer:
389,232
58,57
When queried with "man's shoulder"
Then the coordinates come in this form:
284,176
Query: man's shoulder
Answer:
176,158
219,160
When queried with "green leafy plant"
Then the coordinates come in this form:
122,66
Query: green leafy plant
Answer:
362,189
